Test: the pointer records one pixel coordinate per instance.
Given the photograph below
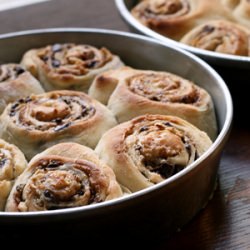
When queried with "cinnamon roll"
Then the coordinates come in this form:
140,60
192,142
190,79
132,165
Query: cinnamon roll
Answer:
63,176
173,18
69,66
105,83
240,10
220,36
142,92
151,148
12,164
16,82
36,122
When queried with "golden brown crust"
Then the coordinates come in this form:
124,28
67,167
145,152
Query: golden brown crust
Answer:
150,149
173,18
220,36
105,83
240,9
63,176
39,121
142,92
102,87
69,66
181,19
12,164
16,82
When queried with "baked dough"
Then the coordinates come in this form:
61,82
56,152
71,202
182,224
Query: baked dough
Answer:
63,176
12,164
40,121
69,66
222,26
174,18
142,92
16,82
240,10
105,83
151,148
220,36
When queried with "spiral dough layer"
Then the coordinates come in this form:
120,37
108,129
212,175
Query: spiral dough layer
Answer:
53,181
220,36
15,83
36,122
12,164
130,93
151,148
69,66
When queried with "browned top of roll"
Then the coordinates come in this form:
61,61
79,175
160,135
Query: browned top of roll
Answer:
72,58
53,111
164,87
220,36
57,182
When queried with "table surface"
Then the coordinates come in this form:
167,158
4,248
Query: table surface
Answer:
225,222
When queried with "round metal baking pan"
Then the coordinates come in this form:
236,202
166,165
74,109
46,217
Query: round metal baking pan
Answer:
182,195
214,58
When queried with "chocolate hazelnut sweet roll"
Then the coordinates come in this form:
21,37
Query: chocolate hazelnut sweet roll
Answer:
63,176
240,10
151,148
16,82
12,164
69,66
220,36
37,122
105,83
142,92
173,18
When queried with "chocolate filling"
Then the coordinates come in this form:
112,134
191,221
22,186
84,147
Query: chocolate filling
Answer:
55,63
164,169
2,162
163,88
61,119
208,29
19,70
62,127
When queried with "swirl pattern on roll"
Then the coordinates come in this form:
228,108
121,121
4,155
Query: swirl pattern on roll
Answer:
16,82
39,121
69,66
220,36
162,8
173,18
10,72
163,88
176,19
164,16
151,148
54,181
139,92
12,164
240,10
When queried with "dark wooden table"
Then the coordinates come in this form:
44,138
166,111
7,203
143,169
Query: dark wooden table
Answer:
225,222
